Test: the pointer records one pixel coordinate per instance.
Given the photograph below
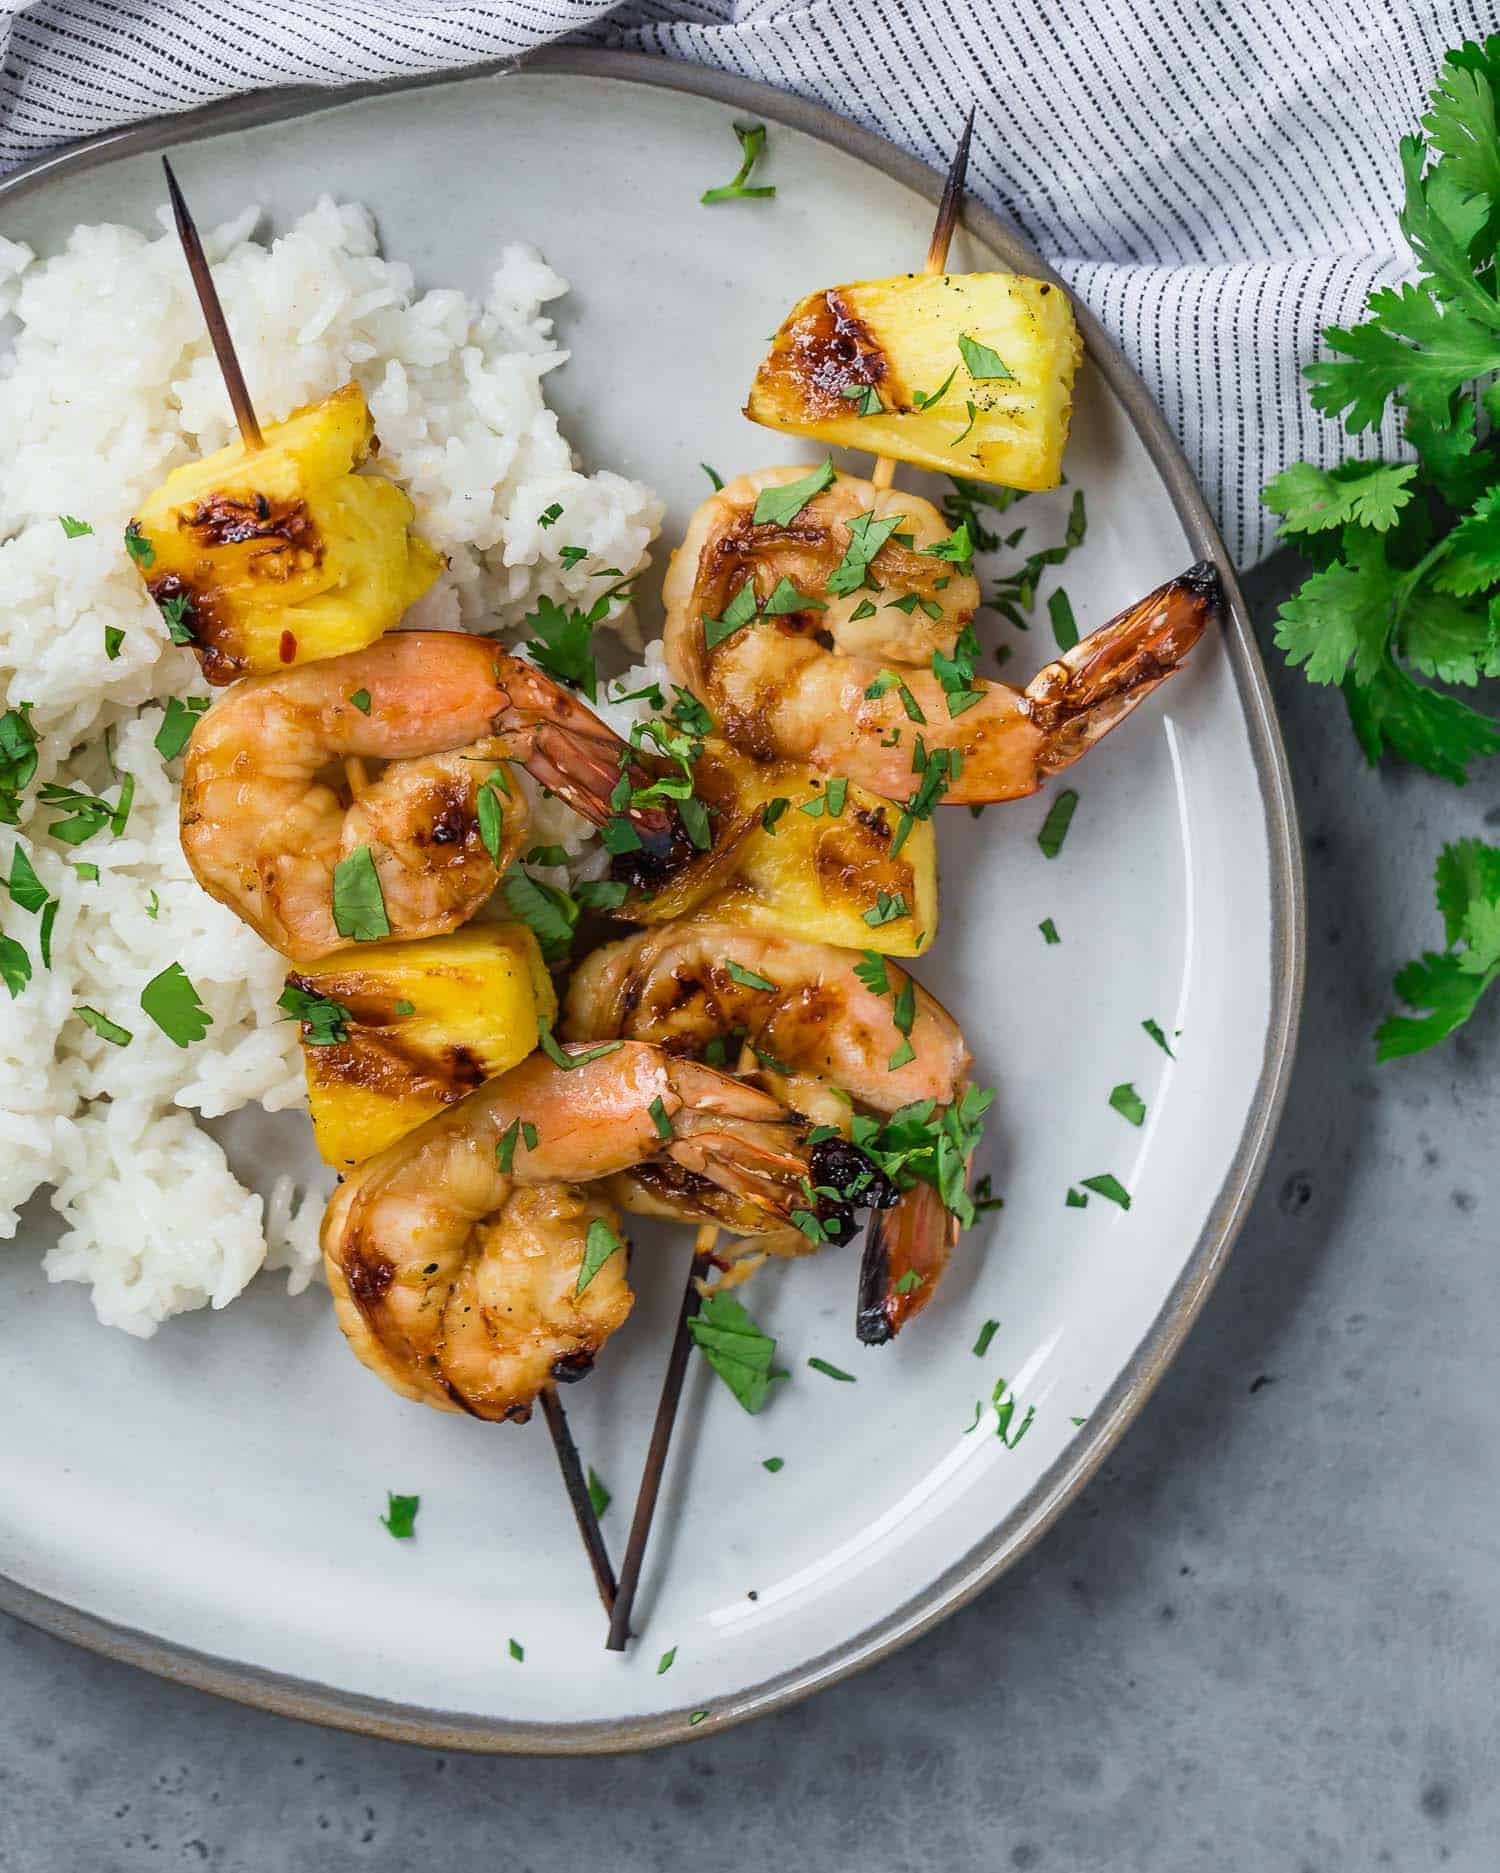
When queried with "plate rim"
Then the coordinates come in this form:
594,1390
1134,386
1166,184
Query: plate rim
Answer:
1012,1537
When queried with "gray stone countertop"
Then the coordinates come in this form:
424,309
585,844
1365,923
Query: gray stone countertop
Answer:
1266,1638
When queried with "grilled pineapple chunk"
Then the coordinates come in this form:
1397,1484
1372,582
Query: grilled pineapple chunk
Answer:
283,554
893,365
822,868
422,1024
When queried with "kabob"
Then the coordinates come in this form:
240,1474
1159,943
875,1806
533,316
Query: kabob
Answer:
278,555
844,368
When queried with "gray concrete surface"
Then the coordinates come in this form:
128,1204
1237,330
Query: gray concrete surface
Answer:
1266,1638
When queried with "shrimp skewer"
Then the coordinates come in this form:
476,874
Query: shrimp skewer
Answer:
357,781
457,1256
264,828
807,1007
851,694
640,1529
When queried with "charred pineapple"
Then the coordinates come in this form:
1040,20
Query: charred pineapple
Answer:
394,1032
967,374
807,856
280,555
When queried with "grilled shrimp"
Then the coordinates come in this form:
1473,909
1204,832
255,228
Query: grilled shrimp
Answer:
816,685
455,1256
688,985
266,819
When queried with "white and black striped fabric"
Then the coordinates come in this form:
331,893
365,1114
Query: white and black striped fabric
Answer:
1216,178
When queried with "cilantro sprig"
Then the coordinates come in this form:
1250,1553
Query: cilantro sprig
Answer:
1404,591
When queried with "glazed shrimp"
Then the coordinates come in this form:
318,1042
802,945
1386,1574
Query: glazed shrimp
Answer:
457,1280
816,686
265,818
687,985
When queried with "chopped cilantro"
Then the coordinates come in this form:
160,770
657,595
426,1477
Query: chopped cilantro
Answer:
739,1352
786,600
400,1518
600,1243
865,398
752,145
549,516
106,1029
983,364
659,1118
358,901
139,547
1154,1030
174,1005
1064,625
177,725
924,400
772,811
867,535
1049,931
773,1464
114,639
73,529
599,1496
1077,1200
739,612
1107,1186
549,912
15,968
26,889
831,1372
716,480
1128,1103
177,609
547,1040
664,1663
325,1022
986,1333
1055,825
517,1651
780,506
491,819
361,700
889,907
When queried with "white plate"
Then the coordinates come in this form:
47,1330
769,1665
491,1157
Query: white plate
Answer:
206,1504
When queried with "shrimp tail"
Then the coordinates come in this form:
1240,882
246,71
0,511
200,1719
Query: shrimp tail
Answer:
768,1163
914,1237
1078,699
569,751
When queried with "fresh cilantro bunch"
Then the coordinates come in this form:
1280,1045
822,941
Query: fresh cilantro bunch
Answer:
1408,554
1406,588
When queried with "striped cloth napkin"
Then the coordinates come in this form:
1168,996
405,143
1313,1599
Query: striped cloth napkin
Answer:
1216,181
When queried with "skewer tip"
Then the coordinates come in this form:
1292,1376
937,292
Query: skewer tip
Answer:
953,195
213,313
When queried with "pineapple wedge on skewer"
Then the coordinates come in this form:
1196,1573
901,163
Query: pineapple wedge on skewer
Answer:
895,365
266,557
807,855
394,1032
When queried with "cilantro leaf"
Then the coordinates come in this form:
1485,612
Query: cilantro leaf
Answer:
106,1029
752,144
325,1022
1109,1186
15,965
867,535
400,1518
1055,826
177,725
550,913
358,901
563,645
73,529
780,506
983,363
174,1005
26,890
1448,985
1392,714
599,1244
737,1349
1128,1103
1310,500
1340,618
739,612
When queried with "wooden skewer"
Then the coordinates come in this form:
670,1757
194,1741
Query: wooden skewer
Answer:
884,472
576,1483
213,315
708,1235
704,1244
357,776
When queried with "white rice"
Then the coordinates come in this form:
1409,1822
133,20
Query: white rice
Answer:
109,384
